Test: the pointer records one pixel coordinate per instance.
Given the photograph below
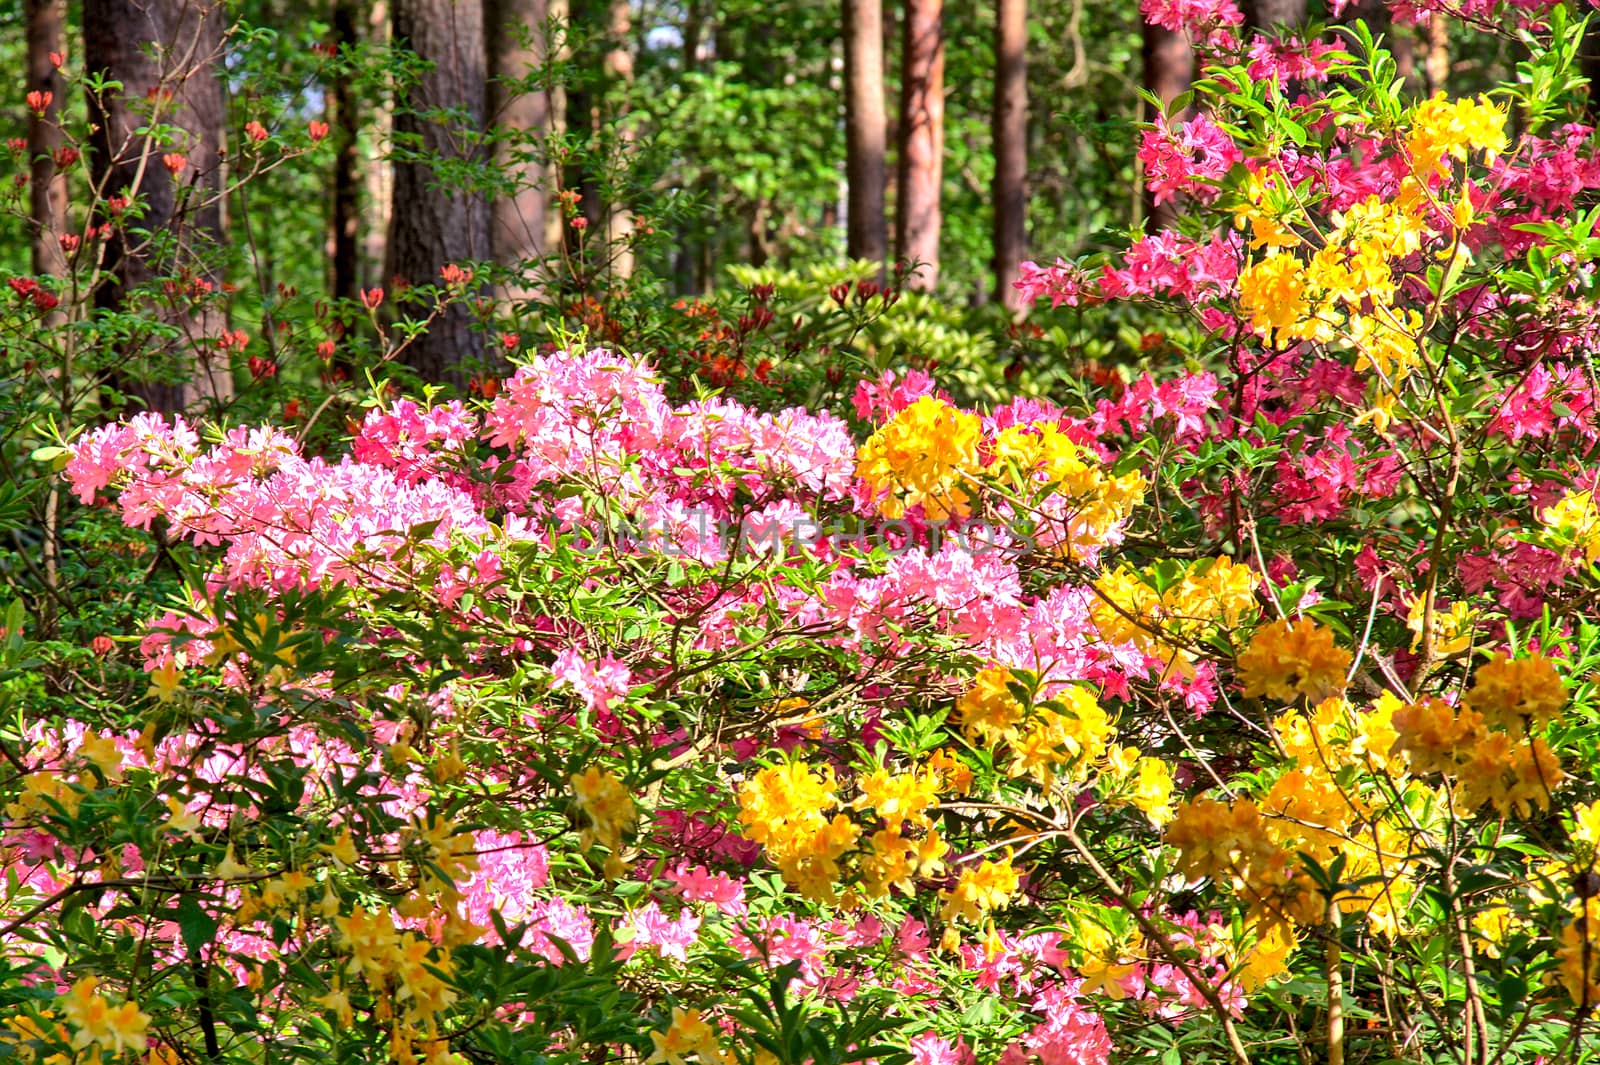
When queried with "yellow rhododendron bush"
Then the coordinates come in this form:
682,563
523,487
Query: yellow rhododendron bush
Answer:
1238,710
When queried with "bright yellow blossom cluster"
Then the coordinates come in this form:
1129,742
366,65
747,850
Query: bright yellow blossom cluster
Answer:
1207,593
97,1023
935,456
403,969
1286,660
1520,695
1442,128
1574,524
687,1033
785,809
895,856
926,455
981,890
1485,745
609,810
1038,462
1064,735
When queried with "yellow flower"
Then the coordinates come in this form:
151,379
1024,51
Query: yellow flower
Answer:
606,804
785,809
1574,522
988,710
1437,737
165,682
96,1022
686,1034
1152,792
1266,957
1273,293
230,869
103,752
1579,954
341,850
925,456
1517,694
989,887
1286,660
1442,127
182,819
1452,628
1586,823
898,798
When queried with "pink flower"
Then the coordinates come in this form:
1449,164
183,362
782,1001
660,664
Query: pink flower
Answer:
600,684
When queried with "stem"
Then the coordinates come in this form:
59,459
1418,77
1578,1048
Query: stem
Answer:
1335,990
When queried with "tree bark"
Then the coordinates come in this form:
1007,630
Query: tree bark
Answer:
921,155
1274,14
432,225
1168,73
1010,148
518,46
1436,54
345,214
47,186
378,173
865,125
165,52
619,75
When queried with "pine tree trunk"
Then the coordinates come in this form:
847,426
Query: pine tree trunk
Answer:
1274,14
377,181
1010,148
865,125
345,213
47,188
1168,73
155,48
921,155
432,225
619,75
517,46
1436,54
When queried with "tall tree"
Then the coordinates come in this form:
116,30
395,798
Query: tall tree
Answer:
345,214
1168,73
865,129
1270,14
431,223
164,55
1436,53
618,68
517,46
921,154
1010,125
47,188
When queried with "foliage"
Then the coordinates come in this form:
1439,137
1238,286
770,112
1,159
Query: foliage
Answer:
816,672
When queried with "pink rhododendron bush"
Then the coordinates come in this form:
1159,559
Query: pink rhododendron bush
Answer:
1241,711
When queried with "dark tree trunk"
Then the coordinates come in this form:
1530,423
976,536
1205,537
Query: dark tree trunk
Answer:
1010,148
1274,14
921,155
517,46
166,51
865,126
345,215
47,188
1168,73
431,225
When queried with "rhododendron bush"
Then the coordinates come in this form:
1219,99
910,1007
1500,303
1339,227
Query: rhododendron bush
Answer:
1244,711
